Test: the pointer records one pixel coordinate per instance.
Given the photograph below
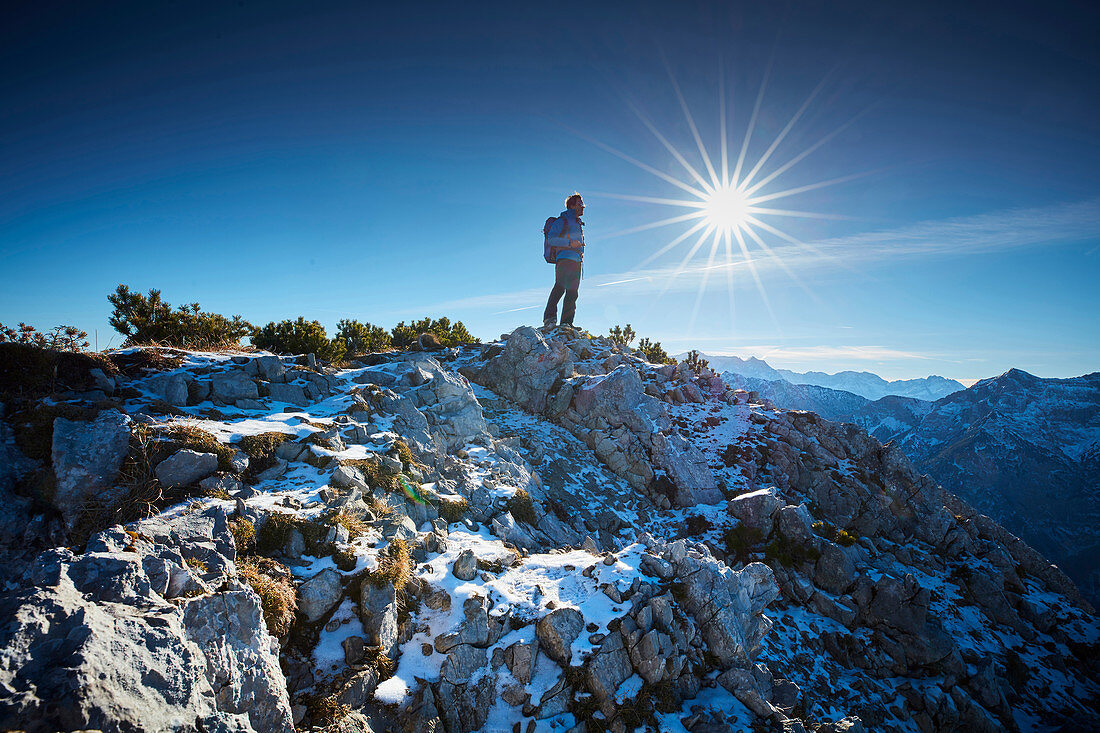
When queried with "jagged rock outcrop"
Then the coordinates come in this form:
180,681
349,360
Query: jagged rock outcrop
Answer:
441,555
627,428
101,627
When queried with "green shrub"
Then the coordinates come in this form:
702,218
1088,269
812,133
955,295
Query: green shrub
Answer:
653,352
789,553
449,334
299,337
741,541
840,536
695,363
362,338
697,524
523,508
147,319
621,336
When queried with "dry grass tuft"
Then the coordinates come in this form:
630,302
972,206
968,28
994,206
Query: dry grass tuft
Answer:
273,583
262,445
244,535
354,524
134,364
182,435
372,474
395,568
453,511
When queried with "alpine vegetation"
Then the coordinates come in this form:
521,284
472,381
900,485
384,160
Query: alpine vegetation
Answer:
550,531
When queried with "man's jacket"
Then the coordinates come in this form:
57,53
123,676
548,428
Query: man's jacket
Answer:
565,228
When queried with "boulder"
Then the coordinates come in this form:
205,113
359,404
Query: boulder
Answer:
175,390
86,460
185,467
226,483
270,368
320,594
835,570
756,509
96,627
609,668
464,695
291,394
520,659
378,612
557,631
527,368
727,605
796,523
242,659
465,565
230,386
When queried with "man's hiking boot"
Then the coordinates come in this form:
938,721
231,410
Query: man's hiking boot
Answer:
549,322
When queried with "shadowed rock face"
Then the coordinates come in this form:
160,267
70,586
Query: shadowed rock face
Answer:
86,460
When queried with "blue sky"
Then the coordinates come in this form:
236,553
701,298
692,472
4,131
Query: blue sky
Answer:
276,160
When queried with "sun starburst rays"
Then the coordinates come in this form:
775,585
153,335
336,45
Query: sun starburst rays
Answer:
730,205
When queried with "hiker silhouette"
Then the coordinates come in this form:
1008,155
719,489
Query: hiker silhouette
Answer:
564,248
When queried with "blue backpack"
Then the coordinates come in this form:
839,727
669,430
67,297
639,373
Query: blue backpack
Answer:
550,252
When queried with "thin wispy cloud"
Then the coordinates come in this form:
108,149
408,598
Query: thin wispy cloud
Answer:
981,234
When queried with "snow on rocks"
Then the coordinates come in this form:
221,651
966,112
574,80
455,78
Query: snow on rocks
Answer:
546,545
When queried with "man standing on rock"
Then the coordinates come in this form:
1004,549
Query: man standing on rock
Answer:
566,237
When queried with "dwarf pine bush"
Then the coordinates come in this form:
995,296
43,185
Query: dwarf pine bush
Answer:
697,364
621,336
59,338
362,338
449,334
299,337
148,319
653,352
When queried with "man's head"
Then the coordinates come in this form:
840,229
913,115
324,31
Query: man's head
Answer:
576,203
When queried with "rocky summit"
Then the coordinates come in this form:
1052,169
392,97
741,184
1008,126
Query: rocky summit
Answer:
543,533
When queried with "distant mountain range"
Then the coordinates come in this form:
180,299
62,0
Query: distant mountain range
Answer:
864,384
1023,449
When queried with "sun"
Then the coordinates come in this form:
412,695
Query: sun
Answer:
726,209
730,213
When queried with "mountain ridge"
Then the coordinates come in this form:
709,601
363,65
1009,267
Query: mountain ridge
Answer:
863,383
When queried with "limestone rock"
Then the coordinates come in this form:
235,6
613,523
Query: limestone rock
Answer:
319,594
86,460
756,509
186,467
557,631
465,565
230,386
378,612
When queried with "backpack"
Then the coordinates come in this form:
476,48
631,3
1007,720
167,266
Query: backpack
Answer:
549,252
